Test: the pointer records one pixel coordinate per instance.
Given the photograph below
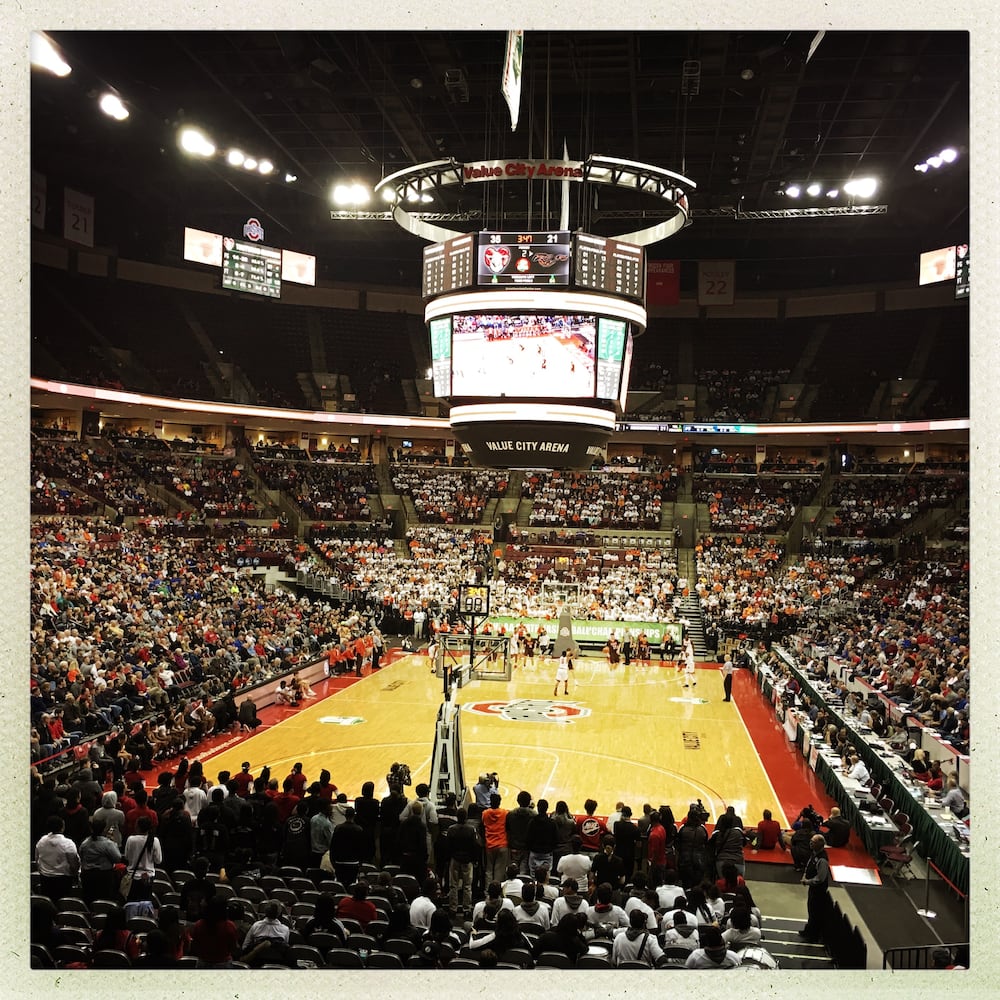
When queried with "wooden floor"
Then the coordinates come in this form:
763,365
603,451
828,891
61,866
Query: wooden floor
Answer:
632,734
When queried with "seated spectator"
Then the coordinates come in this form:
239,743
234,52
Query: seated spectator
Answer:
637,943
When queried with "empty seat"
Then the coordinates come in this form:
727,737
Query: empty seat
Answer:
384,960
343,958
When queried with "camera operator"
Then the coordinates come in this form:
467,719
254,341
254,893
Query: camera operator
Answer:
484,788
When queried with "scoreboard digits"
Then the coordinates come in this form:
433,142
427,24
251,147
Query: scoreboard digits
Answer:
250,267
448,266
609,266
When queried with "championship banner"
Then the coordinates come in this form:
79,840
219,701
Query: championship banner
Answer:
510,84
716,282
663,282
78,217
37,199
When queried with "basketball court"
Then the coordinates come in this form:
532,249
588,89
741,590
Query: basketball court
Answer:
632,733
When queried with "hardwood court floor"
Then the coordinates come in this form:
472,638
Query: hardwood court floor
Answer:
632,734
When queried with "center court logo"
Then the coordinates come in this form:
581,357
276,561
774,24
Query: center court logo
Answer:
530,710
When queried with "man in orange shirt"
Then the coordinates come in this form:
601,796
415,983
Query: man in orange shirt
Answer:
495,837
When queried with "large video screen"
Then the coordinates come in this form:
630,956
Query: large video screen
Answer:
523,354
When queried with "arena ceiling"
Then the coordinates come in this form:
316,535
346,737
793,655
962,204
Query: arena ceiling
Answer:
743,114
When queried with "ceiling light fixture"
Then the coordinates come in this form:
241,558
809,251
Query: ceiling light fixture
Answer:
793,190
235,157
813,189
45,55
265,167
193,141
112,106
861,187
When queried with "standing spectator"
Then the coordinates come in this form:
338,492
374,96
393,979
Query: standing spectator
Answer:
494,820
142,855
347,845
626,835
517,831
692,848
320,833
366,810
565,831
817,877
656,849
541,839
464,847
98,857
58,861
590,829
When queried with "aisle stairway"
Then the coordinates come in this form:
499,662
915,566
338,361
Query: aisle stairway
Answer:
690,609
781,939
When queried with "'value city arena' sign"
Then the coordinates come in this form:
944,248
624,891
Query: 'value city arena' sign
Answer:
491,170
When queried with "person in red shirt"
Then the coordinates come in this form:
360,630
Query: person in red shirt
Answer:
656,849
214,938
286,802
590,829
768,833
141,809
494,822
358,906
243,780
299,780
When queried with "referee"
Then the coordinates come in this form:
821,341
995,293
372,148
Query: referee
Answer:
727,678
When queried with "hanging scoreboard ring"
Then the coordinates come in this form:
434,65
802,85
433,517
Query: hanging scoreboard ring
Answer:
413,186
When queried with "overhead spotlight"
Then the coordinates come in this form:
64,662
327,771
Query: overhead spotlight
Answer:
290,178
112,106
793,190
426,199
832,193
412,196
388,194
360,194
949,155
746,74
341,194
813,189
235,157
921,168
861,187
934,161
265,167
46,56
193,141
249,163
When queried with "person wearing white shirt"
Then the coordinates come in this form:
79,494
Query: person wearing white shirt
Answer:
637,944
858,771
531,910
569,902
681,933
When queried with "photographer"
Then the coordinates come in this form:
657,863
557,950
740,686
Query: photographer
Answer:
484,788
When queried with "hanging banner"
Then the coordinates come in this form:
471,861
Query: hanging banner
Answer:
37,199
663,282
716,282
510,84
78,217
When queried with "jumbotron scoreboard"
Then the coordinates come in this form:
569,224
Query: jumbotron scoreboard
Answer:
531,338
551,259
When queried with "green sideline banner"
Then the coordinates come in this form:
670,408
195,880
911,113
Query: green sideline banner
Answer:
588,630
